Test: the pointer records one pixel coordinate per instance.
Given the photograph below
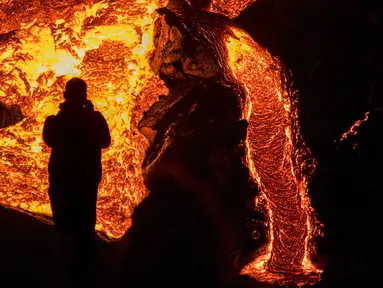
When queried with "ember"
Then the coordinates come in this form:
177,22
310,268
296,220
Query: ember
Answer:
109,45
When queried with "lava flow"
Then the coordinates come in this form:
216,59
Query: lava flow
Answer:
280,164
107,43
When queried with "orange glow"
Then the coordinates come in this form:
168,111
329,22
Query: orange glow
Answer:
231,8
108,48
354,128
107,44
276,164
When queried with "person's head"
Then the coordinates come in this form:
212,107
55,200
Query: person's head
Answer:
75,90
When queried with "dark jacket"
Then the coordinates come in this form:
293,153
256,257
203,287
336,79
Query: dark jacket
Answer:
76,135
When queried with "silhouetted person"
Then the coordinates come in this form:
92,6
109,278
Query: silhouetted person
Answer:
76,135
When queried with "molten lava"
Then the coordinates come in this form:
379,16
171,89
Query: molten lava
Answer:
279,163
42,45
354,128
107,43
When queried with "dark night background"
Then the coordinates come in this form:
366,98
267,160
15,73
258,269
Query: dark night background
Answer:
335,53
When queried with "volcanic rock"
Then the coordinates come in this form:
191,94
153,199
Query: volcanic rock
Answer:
10,115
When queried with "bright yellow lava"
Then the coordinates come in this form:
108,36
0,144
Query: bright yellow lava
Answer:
106,46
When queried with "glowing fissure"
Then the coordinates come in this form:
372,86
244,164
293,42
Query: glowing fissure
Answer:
354,128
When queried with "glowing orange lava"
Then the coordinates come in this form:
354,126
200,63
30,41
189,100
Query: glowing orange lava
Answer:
42,46
354,128
275,160
107,43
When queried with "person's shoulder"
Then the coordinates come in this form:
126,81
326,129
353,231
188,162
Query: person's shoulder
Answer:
51,118
98,114
98,118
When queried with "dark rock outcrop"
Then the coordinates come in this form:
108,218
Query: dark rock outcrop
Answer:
10,115
194,228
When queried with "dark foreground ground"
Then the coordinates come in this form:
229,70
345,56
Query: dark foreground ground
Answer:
31,256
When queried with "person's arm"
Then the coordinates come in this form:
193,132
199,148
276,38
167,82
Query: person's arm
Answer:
49,131
103,131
